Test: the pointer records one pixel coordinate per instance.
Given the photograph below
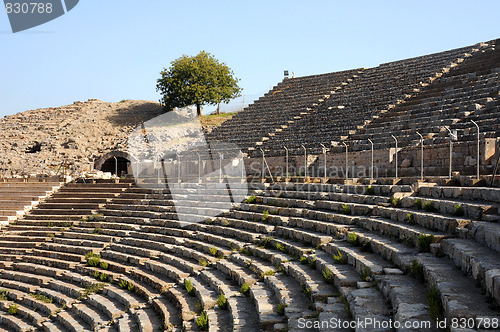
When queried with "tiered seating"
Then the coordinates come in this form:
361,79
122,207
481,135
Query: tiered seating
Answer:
17,196
279,109
419,94
366,98
291,253
465,92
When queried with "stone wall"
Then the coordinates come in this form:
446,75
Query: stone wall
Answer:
436,161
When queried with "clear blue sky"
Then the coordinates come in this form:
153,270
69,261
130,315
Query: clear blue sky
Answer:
114,49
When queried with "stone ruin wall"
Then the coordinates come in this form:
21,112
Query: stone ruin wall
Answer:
436,161
38,141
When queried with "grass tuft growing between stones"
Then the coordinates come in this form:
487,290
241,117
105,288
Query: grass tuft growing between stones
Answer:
245,289
327,275
396,202
340,258
91,289
366,274
13,309
126,285
189,287
251,200
433,298
265,215
428,207
369,191
347,307
222,301
43,298
202,321
418,204
417,270
424,242
353,239
281,248
203,262
281,308
458,210
346,209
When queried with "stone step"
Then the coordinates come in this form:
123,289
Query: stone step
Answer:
485,233
358,258
473,210
170,315
57,217
147,320
407,296
367,303
86,234
110,308
94,318
185,302
60,212
27,278
79,242
126,297
32,317
465,193
430,220
53,326
241,224
241,310
43,224
311,280
71,322
306,236
266,306
18,285
233,233
333,311
482,263
57,297
50,205
69,252
127,323
243,313
15,323
459,295
53,260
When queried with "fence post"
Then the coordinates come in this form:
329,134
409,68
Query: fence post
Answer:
396,158
451,153
346,161
199,167
221,156
286,174
371,168
324,156
421,155
305,161
478,147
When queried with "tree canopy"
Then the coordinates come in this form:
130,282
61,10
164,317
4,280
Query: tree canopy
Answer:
197,80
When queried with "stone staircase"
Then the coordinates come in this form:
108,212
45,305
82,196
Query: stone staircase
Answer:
111,256
19,196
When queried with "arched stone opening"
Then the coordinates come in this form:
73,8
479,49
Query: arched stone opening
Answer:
116,162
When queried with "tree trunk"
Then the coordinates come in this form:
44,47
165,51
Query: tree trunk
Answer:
198,109
218,109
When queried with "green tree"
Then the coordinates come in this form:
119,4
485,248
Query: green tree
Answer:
197,80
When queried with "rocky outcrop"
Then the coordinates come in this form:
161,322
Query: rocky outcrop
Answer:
38,141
